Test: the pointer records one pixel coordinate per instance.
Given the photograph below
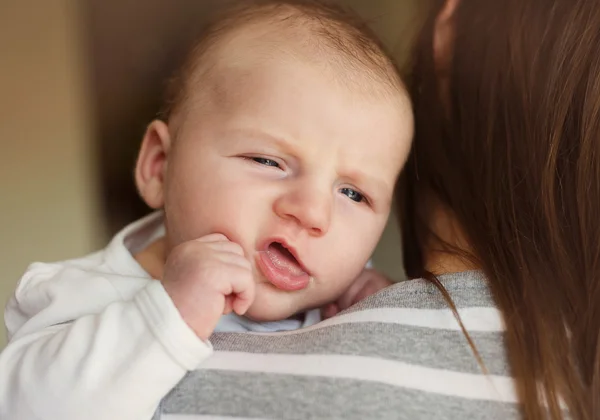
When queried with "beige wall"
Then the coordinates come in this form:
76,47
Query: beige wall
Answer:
46,185
393,20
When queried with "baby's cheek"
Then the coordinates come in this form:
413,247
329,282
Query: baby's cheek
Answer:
340,261
347,267
337,283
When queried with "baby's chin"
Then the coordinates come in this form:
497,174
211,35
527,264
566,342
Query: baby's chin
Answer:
262,314
276,308
271,304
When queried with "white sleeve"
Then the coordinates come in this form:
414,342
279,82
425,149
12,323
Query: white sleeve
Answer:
114,363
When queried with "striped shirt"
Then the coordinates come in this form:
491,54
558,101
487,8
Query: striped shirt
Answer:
399,354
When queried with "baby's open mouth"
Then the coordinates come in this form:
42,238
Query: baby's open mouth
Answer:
283,259
281,268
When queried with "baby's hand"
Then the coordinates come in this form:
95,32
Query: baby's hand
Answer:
367,283
206,278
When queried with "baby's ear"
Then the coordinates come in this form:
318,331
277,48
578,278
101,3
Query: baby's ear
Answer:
151,167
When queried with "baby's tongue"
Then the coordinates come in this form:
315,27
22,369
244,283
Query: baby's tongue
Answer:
284,260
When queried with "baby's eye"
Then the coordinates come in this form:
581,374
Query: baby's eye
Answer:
265,161
353,194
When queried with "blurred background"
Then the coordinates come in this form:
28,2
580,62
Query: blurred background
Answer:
79,81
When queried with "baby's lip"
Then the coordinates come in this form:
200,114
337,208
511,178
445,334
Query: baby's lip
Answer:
284,243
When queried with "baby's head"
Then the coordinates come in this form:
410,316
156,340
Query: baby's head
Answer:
286,131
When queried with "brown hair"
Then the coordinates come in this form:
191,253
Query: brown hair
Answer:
514,155
334,34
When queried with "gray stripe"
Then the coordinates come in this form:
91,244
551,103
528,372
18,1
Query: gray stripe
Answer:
158,412
467,290
433,348
294,397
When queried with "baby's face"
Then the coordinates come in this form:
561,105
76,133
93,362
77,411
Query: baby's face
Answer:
297,169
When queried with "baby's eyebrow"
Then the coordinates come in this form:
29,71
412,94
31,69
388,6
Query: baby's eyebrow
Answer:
280,142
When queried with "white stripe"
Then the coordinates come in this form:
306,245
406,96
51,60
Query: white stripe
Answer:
475,319
439,381
201,417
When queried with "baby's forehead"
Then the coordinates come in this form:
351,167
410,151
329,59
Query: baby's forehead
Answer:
255,55
275,39
252,71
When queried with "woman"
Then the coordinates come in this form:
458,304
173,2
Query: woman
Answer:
501,201
505,178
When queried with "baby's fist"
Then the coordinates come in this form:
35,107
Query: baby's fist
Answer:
206,278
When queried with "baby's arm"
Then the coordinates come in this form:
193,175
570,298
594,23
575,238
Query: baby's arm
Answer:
369,282
113,358
112,363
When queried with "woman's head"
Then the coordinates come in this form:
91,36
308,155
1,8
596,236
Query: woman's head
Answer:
507,103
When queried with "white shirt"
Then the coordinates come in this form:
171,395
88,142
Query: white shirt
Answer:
98,333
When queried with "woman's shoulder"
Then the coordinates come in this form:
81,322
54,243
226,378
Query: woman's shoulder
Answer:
398,354
467,289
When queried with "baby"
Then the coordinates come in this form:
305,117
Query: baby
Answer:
273,170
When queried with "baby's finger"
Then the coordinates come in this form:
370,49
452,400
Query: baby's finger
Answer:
213,237
234,260
227,246
330,310
243,289
228,305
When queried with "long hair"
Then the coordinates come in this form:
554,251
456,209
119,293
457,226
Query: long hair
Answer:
512,150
